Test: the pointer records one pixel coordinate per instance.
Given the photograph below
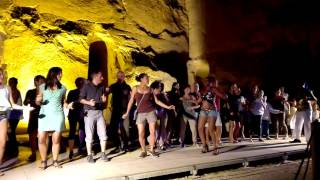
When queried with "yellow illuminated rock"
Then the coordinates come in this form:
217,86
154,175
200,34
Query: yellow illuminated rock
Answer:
41,34
36,35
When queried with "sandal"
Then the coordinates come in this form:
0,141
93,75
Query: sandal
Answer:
43,165
56,164
215,151
205,149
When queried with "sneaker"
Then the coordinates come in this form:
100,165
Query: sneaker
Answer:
162,147
268,138
196,145
143,154
90,159
205,149
71,155
32,158
104,157
295,141
261,140
153,153
124,149
182,145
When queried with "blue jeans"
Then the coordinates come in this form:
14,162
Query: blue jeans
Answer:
265,127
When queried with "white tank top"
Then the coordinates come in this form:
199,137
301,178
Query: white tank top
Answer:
4,98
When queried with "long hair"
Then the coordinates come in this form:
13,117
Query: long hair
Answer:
52,79
13,82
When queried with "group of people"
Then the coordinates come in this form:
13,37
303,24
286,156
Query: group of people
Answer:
205,108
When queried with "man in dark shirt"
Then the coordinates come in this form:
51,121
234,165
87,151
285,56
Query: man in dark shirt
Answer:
119,128
94,100
278,103
33,116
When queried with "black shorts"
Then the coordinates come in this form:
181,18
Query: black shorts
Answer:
234,117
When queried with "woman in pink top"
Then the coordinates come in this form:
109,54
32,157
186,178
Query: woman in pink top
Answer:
146,100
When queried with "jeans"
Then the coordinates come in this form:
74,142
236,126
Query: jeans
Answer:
265,127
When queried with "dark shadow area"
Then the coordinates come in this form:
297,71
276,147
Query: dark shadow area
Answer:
269,42
98,59
173,63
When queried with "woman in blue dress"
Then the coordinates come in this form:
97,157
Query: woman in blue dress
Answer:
51,97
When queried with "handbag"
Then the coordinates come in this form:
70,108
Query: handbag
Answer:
136,111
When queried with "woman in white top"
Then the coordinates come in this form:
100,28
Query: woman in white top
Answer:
5,105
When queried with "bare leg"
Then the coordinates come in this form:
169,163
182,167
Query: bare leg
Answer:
231,129
56,137
212,129
89,148
218,134
201,128
3,137
141,131
103,145
43,145
207,134
152,129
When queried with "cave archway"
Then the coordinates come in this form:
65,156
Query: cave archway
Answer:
98,59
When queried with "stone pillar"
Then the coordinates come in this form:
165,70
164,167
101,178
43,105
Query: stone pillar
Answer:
197,65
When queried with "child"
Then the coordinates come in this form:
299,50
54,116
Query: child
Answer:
292,117
266,118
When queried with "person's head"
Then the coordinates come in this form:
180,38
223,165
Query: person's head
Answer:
255,89
261,94
156,87
212,81
278,92
13,82
233,88
175,86
38,80
187,89
294,103
1,76
79,82
96,77
53,77
143,78
196,87
120,76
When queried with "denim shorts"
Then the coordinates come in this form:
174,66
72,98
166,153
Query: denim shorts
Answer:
3,115
143,118
209,113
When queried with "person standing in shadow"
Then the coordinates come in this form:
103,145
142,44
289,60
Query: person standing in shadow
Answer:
30,100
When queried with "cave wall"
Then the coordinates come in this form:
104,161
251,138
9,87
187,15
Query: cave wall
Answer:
40,34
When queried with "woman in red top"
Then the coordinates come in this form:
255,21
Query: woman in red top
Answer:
145,99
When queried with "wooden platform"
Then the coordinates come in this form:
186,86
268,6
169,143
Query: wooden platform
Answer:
175,160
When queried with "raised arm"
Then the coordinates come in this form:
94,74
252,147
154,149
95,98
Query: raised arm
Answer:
158,102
